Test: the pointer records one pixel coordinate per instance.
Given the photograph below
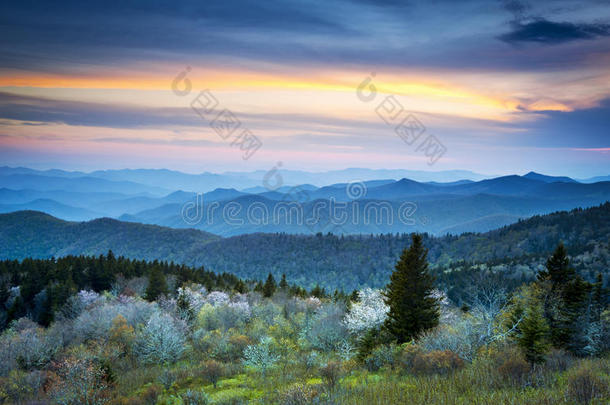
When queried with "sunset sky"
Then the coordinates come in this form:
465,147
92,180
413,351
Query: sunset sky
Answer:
505,86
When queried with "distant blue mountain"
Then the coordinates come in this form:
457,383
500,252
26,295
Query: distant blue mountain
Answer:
454,206
549,179
75,184
595,179
52,208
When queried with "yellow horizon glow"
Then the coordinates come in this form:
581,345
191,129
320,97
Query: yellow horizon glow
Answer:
429,92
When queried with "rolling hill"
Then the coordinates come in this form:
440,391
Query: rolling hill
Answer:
36,234
347,262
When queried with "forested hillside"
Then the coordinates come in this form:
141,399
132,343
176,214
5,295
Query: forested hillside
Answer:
38,235
344,262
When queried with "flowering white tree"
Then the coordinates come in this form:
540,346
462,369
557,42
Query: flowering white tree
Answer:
216,298
87,297
261,356
96,321
161,340
370,312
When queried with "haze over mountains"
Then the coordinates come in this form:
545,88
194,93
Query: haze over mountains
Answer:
350,201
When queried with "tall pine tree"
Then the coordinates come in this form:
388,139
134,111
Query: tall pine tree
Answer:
157,285
269,287
283,283
413,309
558,270
565,304
533,336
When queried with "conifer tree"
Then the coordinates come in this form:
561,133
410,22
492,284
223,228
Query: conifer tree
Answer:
413,309
318,292
241,287
283,283
269,287
186,312
157,285
558,269
565,305
533,336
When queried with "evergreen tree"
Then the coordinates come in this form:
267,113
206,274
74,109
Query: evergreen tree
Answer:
575,316
241,287
157,285
283,283
566,301
184,308
533,334
558,269
413,309
318,292
269,287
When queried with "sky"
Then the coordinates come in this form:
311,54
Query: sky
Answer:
495,87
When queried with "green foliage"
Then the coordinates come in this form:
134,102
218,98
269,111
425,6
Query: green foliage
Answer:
567,304
372,339
157,286
533,337
413,309
269,287
192,397
436,362
585,384
514,253
558,269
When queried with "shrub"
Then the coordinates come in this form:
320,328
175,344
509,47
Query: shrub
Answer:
460,337
20,386
381,356
79,381
408,352
215,344
558,360
584,385
327,332
436,362
331,373
514,369
191,397
212,371
237,344
150,394
372,339
167,378
299,394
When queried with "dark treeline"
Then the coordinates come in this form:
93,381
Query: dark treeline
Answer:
37,288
